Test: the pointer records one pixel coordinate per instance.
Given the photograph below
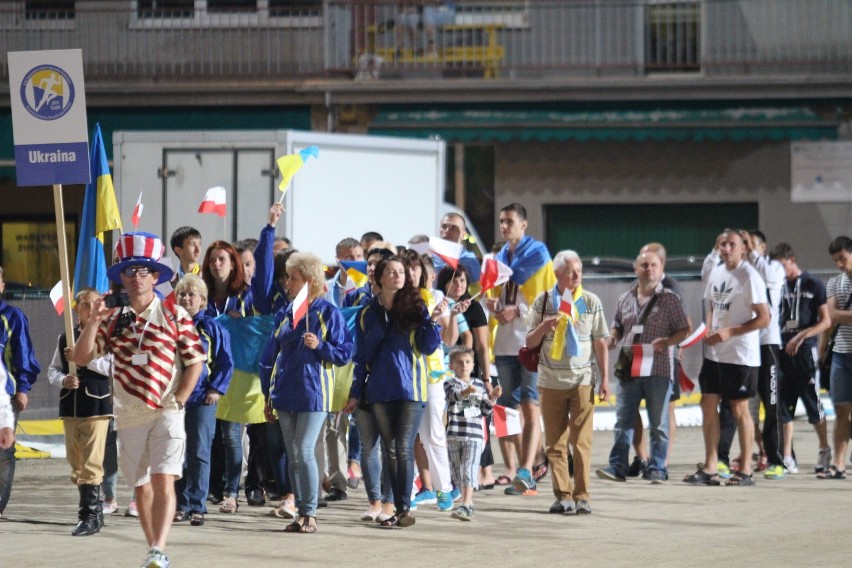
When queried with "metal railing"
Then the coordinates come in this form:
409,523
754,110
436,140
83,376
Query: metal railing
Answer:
301,39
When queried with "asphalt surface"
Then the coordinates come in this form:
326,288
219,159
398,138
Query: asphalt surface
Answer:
795,521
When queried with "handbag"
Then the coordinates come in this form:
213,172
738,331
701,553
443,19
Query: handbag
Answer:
625,356
529,356
825,364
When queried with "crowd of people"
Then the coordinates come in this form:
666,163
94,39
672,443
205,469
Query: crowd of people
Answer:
387,377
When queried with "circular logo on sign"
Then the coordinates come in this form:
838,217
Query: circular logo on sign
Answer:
47,92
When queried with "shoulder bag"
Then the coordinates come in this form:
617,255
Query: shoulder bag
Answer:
625,355
528,356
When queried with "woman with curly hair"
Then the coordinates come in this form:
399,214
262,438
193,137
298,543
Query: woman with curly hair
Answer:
393,334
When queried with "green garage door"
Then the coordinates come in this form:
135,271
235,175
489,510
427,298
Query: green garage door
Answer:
621,230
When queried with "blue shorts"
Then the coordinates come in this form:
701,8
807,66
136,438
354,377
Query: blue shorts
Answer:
518,384
841,378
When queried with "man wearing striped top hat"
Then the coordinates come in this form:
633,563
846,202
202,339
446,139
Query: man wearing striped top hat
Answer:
158,359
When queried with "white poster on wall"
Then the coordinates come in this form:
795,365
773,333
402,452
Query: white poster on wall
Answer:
821,172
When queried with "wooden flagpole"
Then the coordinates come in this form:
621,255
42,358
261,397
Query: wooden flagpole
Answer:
64,272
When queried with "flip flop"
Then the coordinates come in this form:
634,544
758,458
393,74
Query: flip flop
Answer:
701,477
540,471
832,473
503,480
740,480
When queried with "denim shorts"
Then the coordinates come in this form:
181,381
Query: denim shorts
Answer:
841,378
518,384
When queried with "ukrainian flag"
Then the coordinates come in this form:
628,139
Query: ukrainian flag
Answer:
356,270
532,268
100,214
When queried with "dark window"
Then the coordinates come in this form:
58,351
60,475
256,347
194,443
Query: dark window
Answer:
231,6
49,10
673,37
165,8
283,8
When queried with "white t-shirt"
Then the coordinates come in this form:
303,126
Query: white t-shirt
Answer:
731,293
7,415
509,338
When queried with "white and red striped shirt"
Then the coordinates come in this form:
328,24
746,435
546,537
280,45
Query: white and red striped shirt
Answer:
164,340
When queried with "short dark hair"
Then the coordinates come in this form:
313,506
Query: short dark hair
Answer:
448,273
759,234
383,252
517,208
839,244
181,234
246,245
782,251
280,263
372,236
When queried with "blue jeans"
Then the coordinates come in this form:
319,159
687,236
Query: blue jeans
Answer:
191,489
354,439
374,466
278,458
656,391
398,422
232,438
518,384
301,430
7,472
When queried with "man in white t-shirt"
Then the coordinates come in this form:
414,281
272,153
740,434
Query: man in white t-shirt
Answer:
736,310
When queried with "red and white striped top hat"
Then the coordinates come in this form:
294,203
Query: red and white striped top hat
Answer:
139,249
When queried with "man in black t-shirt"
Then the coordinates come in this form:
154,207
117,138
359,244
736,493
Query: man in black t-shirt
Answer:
804,317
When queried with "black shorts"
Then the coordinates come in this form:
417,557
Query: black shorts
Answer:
729,381
797,379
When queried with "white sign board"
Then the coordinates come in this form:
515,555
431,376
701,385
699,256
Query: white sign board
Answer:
49,117
821,172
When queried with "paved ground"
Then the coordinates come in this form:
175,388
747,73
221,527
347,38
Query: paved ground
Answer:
797,521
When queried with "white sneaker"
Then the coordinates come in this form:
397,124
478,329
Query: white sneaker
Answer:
790,464
110,507
823,460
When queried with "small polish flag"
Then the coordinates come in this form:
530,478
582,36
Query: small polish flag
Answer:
214,201
419,248
507,421
449,251
643,359
566,304
137,211
686,384
694,338
494,273
300,305
57,299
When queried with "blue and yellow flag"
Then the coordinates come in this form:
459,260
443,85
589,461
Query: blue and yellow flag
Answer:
356,270
100,214
532,268
292,163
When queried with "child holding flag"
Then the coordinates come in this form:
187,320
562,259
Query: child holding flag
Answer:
468,402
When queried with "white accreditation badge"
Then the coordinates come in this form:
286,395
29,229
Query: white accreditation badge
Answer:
139,359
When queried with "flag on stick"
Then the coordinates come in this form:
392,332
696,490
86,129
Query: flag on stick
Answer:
100,214
686,384
292,163
449,251
137,212
300,305
57,299
214,201
694,337
356,270
507,421
494,273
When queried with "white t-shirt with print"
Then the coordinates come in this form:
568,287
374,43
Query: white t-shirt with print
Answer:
731,293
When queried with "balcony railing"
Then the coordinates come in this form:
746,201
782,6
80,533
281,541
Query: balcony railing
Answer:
186,40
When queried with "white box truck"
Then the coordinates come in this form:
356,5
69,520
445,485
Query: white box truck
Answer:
394,186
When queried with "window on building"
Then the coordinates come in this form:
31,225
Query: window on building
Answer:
285,8
231,6
49,10
165,8
673,37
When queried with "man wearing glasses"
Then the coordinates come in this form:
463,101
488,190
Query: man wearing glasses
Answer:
158,359
453,228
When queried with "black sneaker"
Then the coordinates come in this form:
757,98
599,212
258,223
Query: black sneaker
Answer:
637,468
336,495
255,498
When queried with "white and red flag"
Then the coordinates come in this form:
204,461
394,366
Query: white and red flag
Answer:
449,251
214,201
643,360
694,337
300,305
494,273
686,384
137,211
57,299
507,421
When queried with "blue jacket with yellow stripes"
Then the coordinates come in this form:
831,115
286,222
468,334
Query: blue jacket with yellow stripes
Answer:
295,378
17,355
389,363
219,367
256,299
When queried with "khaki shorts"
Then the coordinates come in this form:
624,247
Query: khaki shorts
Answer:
157,447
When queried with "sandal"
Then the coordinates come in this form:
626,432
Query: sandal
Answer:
390,522
405,519
503,480
832,473
181,516
230,505
540,471
309,526
701,477
740,480
196,520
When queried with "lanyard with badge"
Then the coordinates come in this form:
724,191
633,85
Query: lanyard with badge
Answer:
140,358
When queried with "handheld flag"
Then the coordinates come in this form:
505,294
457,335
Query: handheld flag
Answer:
507,421
571,305
214,201
100,214
694,337
300,305
686,384
356,270
494,273
419,248
137,211
643,360
57,299
449,251
292,163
